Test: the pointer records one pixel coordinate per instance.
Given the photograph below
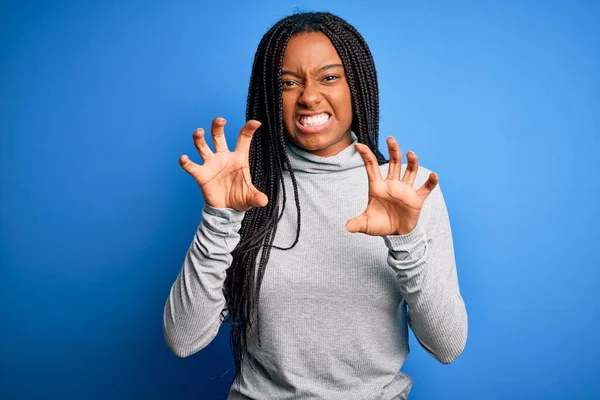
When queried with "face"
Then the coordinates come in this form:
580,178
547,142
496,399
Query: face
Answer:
317,108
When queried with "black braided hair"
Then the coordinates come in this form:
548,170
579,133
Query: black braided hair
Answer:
268,155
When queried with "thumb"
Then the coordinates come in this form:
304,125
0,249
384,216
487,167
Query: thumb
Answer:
257,199
191,168
186,163
355,224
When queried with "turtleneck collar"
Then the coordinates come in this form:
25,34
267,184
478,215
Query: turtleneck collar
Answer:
303,161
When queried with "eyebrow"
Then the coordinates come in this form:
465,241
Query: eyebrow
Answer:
328,66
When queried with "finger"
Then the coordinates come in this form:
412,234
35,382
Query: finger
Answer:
200,144
258,199
395,163
370,161
427,187
411,169
218,134
356,224
245,137
187,164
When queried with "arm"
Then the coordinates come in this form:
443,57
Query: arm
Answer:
427,278
192,314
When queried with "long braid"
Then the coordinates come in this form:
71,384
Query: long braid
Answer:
268,156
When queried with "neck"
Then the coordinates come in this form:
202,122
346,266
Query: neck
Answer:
304,161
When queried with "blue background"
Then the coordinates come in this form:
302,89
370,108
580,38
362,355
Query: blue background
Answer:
99,99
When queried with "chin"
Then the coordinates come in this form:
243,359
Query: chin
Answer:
313,143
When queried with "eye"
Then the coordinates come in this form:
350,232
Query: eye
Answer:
330,78
288,84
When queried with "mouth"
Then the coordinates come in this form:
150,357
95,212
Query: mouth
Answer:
313,123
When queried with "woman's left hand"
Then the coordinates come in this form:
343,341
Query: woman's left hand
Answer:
394,206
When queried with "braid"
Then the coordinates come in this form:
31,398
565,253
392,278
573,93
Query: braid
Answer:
268,156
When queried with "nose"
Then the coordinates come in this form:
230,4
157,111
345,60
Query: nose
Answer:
311,95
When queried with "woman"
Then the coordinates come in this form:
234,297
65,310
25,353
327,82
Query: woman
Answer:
319,304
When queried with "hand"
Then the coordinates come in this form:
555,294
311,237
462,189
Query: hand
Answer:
224,178
394,206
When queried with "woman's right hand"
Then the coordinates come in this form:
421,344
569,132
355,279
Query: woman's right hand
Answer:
224,177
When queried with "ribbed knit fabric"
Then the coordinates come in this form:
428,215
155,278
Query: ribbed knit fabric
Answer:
335,309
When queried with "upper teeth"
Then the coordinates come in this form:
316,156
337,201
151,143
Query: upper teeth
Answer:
318,119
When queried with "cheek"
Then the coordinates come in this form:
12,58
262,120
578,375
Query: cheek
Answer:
343,104
288,109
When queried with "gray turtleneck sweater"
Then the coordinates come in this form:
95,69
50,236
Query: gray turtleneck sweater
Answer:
335,309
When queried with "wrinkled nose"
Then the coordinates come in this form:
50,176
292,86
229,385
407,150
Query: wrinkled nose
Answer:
311,95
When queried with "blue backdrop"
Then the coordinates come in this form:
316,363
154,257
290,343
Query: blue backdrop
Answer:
99,99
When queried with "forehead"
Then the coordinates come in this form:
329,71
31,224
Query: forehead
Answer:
310,50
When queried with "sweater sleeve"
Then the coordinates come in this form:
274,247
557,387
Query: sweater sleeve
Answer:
426,270
193,311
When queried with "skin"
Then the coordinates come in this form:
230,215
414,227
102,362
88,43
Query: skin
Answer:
394,206
224,178
313,80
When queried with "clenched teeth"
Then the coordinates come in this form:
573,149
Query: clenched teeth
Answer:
313,120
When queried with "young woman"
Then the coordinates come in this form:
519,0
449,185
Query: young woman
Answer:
319,263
